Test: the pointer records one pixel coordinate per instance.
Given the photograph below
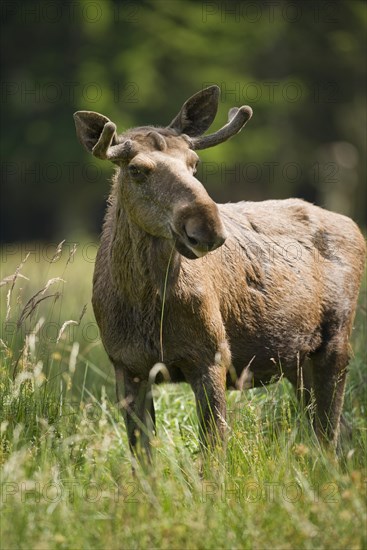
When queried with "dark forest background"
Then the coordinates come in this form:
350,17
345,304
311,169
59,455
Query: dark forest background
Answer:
300,65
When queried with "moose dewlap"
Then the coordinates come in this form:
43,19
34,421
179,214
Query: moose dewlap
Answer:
275,294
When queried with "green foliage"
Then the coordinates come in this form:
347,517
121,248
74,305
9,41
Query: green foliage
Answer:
65,464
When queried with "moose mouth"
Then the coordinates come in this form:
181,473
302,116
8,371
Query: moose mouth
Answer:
187,250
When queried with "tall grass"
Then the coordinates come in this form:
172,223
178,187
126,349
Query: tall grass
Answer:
65,465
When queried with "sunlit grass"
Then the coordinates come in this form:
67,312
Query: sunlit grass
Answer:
65,465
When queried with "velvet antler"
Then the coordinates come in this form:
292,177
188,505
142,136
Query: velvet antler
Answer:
237,118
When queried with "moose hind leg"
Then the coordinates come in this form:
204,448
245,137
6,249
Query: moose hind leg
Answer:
329,375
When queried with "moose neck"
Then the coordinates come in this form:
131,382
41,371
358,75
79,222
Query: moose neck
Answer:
141,265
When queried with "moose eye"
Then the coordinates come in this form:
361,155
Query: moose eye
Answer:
138,173
134,171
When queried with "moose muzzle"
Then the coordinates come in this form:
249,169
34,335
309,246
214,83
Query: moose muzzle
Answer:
198,229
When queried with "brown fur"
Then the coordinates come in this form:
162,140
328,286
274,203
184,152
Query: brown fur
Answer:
282,288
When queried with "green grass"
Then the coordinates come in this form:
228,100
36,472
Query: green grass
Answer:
65,465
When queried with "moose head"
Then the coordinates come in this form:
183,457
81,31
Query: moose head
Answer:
156,170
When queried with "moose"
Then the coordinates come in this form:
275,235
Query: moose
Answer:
224,295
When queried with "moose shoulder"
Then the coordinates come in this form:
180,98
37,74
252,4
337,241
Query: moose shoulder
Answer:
250,290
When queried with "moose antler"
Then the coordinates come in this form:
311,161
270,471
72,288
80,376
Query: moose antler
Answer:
103,148
97,134
118,152
237,118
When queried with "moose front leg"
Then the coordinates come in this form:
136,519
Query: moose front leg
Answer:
135,401
209,389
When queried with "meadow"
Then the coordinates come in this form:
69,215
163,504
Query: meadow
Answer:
66,479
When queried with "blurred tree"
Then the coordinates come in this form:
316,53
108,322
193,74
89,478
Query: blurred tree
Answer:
301,66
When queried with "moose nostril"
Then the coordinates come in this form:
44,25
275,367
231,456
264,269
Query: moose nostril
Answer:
192,241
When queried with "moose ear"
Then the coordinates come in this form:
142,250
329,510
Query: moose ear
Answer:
89,127
197,113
